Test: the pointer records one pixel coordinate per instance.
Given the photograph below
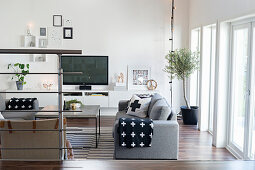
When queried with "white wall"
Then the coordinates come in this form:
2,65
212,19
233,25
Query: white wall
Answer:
128,31
205,12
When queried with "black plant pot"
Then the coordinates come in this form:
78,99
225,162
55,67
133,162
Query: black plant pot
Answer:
189,116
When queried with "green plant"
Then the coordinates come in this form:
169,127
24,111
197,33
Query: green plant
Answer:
20,68
181,64
73,101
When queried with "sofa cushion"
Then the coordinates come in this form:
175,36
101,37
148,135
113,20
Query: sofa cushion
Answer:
154,99
138,107
1,116
160,110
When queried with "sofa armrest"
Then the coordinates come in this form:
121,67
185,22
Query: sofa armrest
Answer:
36,105
123,104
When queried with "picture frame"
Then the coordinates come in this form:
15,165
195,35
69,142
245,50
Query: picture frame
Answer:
43,43
68,33
43,31
57,21
138,77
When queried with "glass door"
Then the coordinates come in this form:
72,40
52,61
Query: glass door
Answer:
239,87
251,137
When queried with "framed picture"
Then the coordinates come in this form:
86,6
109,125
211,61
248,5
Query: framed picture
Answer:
138,77
43,43
43,32
68,33
57,20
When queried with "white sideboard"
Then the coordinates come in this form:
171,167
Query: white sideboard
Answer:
104,98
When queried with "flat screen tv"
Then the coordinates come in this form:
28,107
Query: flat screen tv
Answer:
94,69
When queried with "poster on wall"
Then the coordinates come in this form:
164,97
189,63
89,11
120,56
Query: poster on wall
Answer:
138,77
55,35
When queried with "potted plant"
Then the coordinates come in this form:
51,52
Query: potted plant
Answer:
181,64
73,104
19,68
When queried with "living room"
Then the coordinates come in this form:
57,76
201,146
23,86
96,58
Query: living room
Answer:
147,83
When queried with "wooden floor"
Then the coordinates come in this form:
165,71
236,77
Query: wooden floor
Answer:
193,145
130,165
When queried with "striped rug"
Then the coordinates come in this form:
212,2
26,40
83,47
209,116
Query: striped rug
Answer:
105,148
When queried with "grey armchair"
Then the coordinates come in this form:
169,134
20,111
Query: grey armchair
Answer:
18,115
165,141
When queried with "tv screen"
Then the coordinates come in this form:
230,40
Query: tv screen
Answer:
94,69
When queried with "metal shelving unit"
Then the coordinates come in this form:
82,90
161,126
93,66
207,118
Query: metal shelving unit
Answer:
59,53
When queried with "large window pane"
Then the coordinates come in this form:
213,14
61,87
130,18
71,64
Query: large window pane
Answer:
194,78
212,77
239,85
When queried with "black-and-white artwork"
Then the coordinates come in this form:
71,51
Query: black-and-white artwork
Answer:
57,20
43,32
68,33
138,77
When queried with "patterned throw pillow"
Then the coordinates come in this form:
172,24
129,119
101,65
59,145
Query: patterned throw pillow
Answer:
20,104
138,107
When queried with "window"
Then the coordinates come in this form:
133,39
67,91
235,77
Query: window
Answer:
242,97
239,84
208,73
194,78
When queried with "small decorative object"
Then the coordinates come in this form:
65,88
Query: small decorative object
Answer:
39,58
68,33
121,78
29,27
152,84
29,41
73,104
42,42
181,64
47,85
57,20
67,22
138,77
42,31
20,68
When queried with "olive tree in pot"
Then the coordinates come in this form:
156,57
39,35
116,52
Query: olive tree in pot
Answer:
181,64
19,68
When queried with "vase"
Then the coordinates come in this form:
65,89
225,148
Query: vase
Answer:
19,85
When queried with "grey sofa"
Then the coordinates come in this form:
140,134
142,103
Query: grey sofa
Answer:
18,115
165,141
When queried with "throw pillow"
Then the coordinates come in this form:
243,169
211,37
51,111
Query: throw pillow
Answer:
138,107
20,104
1,116
160,110
154,99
